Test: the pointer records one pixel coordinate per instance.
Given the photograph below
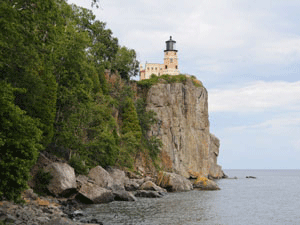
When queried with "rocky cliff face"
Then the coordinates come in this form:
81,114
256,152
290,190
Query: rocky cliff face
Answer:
183,126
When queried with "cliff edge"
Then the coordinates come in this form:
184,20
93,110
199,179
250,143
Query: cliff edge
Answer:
183,126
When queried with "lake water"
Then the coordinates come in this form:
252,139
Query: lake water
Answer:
272,198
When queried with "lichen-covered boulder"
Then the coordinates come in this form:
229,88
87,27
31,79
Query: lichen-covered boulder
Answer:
173,182
101,177
90,193
63,178
202,183
150,186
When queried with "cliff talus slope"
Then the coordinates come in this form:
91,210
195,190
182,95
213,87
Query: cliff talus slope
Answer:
183,127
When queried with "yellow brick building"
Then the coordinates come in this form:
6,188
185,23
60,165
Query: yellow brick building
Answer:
170,65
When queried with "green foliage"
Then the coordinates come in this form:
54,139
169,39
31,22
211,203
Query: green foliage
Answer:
146,120
196,82
53,61
78,164
27,34
125,63
19,145
147,83
130,119
131,133
42,180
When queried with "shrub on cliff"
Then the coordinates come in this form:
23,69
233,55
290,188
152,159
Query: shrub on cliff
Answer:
147,83
146,120
19,145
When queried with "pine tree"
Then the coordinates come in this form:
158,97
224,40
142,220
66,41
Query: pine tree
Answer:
19,145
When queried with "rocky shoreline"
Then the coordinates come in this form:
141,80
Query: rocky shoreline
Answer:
69,194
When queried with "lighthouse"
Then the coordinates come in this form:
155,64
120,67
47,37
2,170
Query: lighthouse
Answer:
170,65
171,58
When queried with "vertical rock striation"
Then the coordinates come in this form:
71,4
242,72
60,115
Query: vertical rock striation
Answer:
183,127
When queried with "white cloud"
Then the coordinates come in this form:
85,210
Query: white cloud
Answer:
256,97
227,32
279,125
285,50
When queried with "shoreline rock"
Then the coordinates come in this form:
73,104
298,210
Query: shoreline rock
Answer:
203,183
63,180
99,187
173,182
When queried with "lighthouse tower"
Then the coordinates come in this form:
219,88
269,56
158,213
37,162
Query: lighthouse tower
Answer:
170,65
171,58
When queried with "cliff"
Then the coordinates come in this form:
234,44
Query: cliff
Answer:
183,126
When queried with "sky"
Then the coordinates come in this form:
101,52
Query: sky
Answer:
246,53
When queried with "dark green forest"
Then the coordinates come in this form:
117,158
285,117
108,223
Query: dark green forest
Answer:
55,96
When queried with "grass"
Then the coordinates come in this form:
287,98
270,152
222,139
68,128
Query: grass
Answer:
147,83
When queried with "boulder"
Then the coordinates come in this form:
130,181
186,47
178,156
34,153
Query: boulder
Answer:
132,175
63,178
90,193
173,182
101,177
29,194
130,185
202,183
138,181
81,179
148,179
150,186
123,196
148,194
118,177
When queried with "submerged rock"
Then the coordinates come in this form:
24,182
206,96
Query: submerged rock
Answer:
251,177
148,194
63,179
173,182
60,221
123,196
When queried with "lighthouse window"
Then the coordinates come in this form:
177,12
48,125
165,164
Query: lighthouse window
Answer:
151,68
155,68
171,60
166,67
176,67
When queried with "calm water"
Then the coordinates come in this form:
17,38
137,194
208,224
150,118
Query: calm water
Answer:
272,198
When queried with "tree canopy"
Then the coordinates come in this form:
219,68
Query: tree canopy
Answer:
55,94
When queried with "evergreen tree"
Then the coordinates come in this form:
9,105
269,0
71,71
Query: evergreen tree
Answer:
131,133
19,145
